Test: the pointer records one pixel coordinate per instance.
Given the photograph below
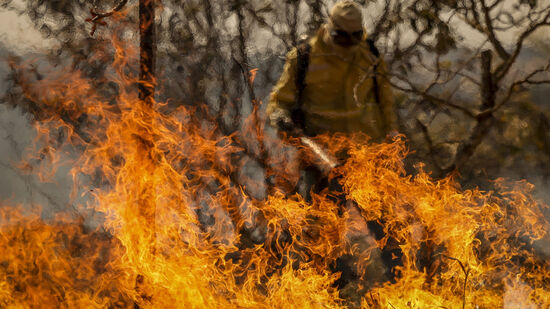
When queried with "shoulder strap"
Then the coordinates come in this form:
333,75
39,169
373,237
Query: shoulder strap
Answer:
373,48
303,51
376,54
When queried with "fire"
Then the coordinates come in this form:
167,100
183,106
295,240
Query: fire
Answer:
176,228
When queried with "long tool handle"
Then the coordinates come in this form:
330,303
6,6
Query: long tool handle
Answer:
325,161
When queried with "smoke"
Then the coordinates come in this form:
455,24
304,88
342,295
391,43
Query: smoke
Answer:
20,39
18,187
19,184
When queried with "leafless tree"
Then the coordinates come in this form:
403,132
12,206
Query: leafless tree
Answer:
451,64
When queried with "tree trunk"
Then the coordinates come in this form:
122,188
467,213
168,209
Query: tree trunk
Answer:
146,50
486,119
146,91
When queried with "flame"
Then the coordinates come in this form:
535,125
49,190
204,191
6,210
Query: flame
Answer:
253,73
176,228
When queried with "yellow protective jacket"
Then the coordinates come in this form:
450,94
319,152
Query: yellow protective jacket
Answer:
338,96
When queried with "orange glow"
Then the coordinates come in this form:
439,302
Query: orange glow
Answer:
151,173
253,73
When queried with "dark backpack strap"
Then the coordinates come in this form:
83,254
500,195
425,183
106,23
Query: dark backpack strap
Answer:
297,114
376,54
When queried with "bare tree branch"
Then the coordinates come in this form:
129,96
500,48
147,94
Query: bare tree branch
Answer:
503,69
527,80
491,32
431,98
98,16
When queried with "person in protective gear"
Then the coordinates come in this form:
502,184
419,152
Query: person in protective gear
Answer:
335,83
343,89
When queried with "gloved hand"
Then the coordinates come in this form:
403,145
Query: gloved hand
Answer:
281,119
392,135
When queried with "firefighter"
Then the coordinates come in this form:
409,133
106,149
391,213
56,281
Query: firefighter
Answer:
335,82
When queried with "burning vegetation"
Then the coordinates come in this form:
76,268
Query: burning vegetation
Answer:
157,176
177,228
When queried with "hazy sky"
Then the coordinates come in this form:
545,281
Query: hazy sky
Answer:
17,33
16,134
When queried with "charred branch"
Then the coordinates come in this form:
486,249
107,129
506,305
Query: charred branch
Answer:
489,87
97,17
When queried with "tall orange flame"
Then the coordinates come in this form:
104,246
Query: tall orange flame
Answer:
151,174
